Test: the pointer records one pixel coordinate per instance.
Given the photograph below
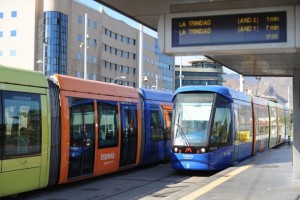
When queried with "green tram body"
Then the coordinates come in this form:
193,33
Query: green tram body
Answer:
24,151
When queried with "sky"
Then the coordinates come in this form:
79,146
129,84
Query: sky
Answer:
183,60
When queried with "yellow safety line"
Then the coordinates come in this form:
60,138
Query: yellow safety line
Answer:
215,183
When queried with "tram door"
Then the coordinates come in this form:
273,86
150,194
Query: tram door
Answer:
235,136
128,134
82,137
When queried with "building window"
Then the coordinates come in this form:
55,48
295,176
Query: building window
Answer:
94,42
1,15
56,37
13,52
1,53
127,70
13,33
79,37
95,25
79,19
1,34
79,56
13,13
107,32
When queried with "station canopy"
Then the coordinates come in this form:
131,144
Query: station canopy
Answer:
280,57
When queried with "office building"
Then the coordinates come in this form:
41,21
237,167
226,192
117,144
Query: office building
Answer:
200,72
68,37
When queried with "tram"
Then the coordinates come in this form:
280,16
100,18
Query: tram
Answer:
215,127
62,129
157,129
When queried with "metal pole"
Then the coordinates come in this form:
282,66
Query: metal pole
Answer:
241,83
288,97
141,57
44,53
85,46
180,72
258,79
156,81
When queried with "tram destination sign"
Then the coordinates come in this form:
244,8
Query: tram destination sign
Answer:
252,28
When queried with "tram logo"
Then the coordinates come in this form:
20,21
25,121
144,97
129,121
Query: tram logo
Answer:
107,156
188,150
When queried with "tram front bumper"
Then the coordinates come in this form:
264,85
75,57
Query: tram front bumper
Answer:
190,162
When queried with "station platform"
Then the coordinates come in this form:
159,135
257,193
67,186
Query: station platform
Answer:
267,175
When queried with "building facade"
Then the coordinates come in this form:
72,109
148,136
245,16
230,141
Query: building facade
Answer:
68,37
200,72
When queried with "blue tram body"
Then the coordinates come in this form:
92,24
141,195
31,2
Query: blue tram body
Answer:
156,111
212,128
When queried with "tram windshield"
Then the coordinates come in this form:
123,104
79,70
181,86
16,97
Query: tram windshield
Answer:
191,119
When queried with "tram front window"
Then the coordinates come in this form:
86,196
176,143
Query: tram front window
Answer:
191,120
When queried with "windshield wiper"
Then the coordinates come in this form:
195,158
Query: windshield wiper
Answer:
181,132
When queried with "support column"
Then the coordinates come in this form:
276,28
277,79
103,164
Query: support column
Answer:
296,126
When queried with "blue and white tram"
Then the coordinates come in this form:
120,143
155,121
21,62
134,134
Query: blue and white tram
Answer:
212,128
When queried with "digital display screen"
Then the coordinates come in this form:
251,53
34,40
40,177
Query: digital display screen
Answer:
252,28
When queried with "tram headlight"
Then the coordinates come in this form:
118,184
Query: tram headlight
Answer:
175,149
202,150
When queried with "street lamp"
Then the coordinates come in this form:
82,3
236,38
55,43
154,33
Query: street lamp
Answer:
119,77
180,79
258,79
180,73
42,61
145,79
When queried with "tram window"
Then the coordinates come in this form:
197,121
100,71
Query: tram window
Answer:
281,125
262,123
243,123
156,126
108,124
221,126
131,120
22,122
81,119
168,118
273,121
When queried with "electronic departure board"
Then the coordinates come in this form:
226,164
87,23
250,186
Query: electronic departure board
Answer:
267,27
